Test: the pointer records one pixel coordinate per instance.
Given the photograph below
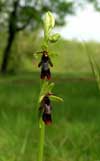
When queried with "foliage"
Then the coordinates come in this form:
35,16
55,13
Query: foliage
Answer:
30,13
18,15
96,4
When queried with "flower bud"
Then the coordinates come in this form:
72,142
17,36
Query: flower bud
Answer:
54,37
49,23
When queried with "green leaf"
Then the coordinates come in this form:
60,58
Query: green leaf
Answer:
54,37
95,70
94,66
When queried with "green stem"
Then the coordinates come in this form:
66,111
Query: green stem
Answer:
41,140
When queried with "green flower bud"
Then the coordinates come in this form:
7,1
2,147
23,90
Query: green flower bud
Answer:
49,23
54,37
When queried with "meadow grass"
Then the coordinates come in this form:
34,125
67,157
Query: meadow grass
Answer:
75,132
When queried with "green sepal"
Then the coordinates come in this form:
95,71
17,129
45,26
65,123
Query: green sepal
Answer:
46,88
56,98
36,56
50,86
53,54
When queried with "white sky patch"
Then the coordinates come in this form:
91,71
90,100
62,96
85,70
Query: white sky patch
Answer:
86,25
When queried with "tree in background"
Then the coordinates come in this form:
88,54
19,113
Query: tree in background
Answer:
17,15
96,4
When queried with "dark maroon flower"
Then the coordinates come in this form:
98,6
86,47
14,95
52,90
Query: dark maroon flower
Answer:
45,110
44,63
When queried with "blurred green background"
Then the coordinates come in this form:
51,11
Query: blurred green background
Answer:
75,132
